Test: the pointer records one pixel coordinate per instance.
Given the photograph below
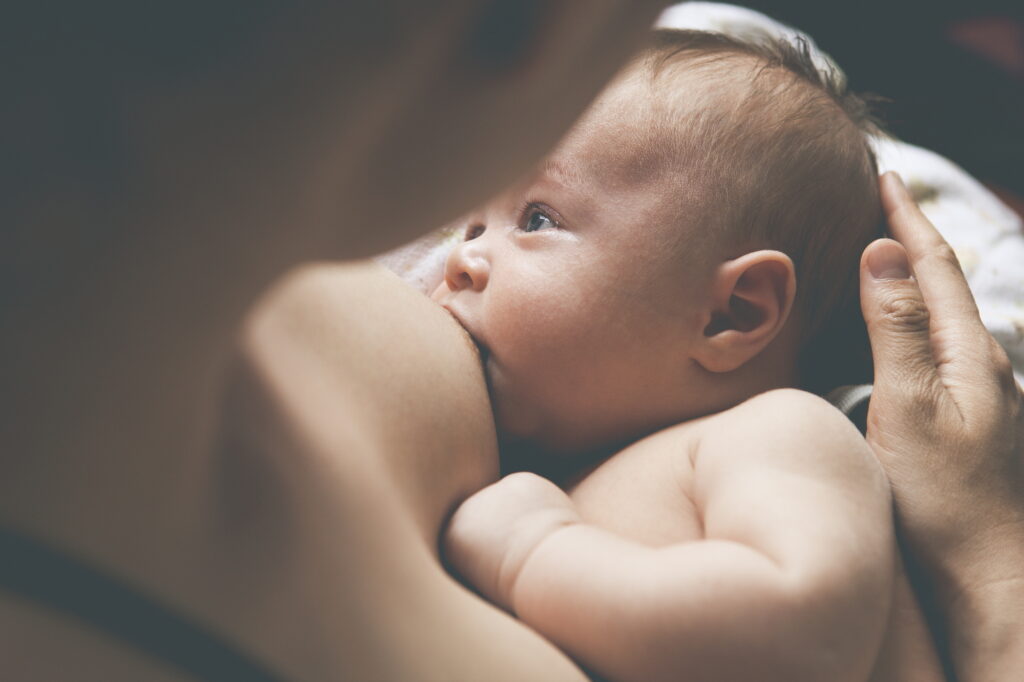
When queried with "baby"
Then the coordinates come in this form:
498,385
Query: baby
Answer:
645,281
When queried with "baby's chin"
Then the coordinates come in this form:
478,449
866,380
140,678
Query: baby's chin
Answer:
519,420
531,420
557,461
522,431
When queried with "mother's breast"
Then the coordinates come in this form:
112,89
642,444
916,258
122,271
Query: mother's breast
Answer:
358,417
378,380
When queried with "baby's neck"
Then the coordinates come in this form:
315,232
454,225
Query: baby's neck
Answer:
775,367
562,468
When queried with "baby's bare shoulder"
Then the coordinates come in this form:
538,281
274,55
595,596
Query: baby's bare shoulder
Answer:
788,429
771,429
789,474
791,404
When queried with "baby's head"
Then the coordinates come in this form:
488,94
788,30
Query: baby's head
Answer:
693,241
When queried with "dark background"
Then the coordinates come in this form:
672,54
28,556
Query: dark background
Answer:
953,73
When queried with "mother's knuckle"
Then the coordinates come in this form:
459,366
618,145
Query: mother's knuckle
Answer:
1000,360
945,253
1002,368
926,404
906,311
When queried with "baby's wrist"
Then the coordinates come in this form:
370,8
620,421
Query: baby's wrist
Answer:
534,530
493,534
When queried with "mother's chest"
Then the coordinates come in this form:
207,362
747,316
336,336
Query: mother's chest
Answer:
644,492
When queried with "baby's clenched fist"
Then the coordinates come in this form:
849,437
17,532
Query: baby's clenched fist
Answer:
493,533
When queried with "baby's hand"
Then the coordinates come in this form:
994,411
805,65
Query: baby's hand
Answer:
493,533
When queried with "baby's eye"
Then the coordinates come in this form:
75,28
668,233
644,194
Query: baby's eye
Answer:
536,220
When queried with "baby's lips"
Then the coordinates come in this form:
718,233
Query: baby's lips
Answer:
483,352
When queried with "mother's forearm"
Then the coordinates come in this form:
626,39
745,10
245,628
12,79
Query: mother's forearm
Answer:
983,609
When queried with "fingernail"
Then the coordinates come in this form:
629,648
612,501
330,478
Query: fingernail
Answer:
897,179
888,260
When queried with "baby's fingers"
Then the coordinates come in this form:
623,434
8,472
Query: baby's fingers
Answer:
493,532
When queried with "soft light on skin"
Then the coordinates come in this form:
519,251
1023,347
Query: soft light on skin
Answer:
597,302
585,289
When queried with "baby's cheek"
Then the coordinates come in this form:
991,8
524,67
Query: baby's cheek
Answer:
536,339
546,370
524,376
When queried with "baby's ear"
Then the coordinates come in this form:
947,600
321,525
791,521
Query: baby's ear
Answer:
751,299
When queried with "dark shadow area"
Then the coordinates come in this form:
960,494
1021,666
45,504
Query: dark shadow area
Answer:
953,72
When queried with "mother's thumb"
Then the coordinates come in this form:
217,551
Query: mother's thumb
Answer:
896,316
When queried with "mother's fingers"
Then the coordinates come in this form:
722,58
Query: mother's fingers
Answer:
898,323
926,332
933,261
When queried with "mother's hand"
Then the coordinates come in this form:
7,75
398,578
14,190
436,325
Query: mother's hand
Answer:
946,421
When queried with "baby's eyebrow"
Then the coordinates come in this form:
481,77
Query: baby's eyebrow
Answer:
567,174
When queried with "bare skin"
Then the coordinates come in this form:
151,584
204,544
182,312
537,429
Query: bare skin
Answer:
676,555
114,375
596,328
315,490
114,369
947,423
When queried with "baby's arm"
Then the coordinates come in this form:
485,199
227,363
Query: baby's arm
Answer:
792,581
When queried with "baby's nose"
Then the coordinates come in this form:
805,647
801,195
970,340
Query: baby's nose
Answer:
468,265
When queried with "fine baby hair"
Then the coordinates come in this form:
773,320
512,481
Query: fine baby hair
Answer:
784,161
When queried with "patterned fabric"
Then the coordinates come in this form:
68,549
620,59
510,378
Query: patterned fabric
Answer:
987,236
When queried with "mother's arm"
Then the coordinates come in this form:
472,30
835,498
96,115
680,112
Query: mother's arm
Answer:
367,401
947,422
